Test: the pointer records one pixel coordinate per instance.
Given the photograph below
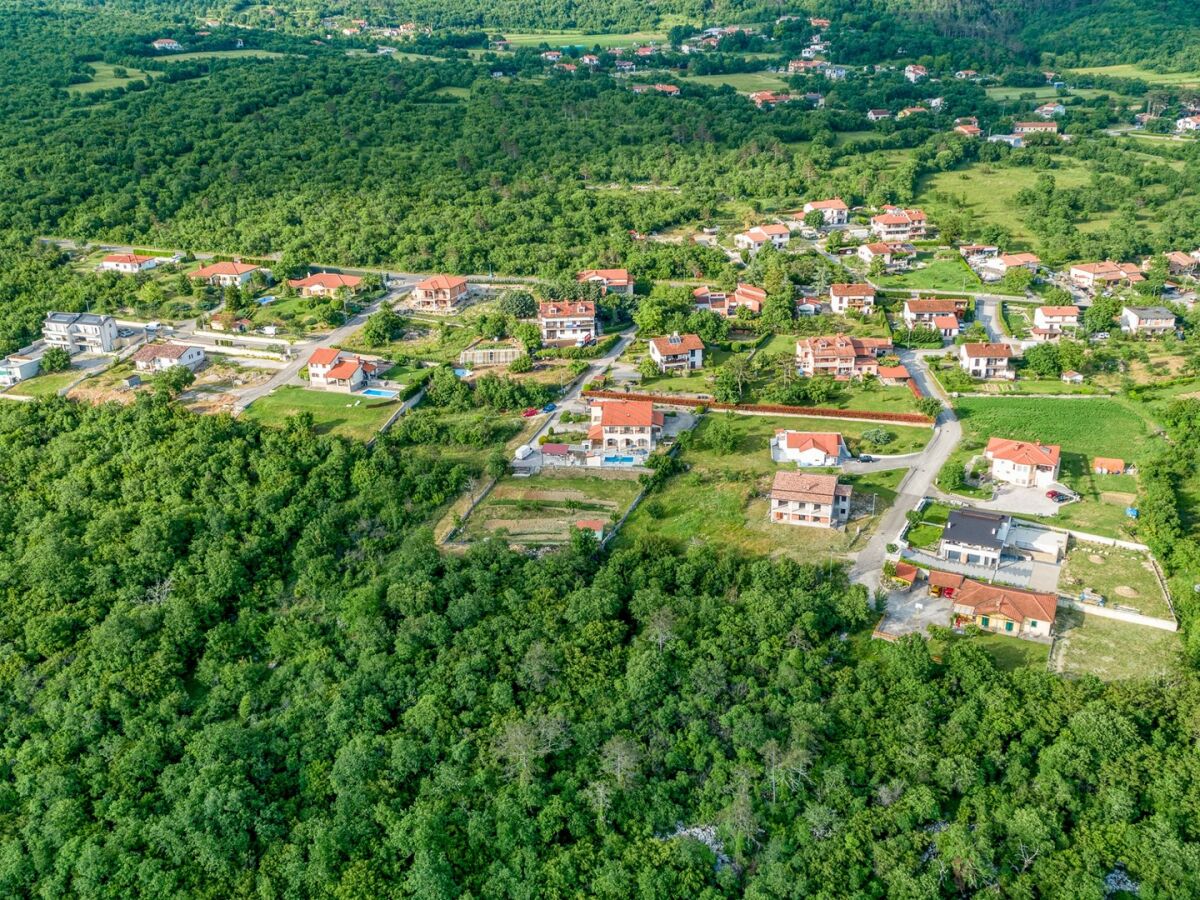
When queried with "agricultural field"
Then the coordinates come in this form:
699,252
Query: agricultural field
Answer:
1111,650
585,39
1124,578
1183,79
540,511
106,76
743,82
347,415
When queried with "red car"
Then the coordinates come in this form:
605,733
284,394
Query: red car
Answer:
530,413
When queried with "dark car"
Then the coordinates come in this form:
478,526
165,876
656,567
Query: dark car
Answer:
862,457
1053,495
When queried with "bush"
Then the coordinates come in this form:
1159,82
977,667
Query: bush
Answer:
56,359
521,364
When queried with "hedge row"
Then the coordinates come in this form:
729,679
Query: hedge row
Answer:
820,411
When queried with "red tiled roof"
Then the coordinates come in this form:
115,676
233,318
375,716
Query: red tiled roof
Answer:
1108,464
590,524
807,488
1011,603
224,268
128,258
1023,453
677,344
931,306
851,290
328,280
561,309
828,442
749,292
323,356
151,352
634,413
893,372
610,277
1019,259
945,321
344,369
997,350
906,572
443,283
1058,311
945,580
836,203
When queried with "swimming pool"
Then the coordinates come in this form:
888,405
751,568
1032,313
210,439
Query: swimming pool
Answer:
263,301
379,392
463,373
618,460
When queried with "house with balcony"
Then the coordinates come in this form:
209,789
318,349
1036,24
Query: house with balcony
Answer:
973,537
859,298
568,322
896,224
1147,321
833,211
332,370
986,361
1098,276
677,352
80,332
1023,463
759,236
813,501
440,293
1051,322
725,304
840,355
611,281
624,431
922,313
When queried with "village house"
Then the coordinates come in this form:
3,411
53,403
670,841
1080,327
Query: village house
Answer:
1097,276
840,355
974,537
804,66
595,526
160,357
333,370
552,56
325,284
834,212
857,297
996,608
127,263
1051,322
227,321
878,115
16,368
624,426
440,293
996,267
167,44
971,131
966,74
611,281
986,360
768,99
1070,376
759,236
1178,263
915,73
590,59
809,448
80,332
1023,463
893,253
677,352
815,501
912,111
1027,128
1149,321
1187,123
1050,110
922,313
225,274
727,305
568,322
896,224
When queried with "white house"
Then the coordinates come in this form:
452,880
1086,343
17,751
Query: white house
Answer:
127,263
857,297
896,224
834,211
611,281
80,332
1050,110
160,357
16,368
915,73
759,236
678,352
1153,321
167,44
567,321
225,274
1023,463
1187,123
626,426
1051,322
986,360
333,370
996,267
809,448
814,501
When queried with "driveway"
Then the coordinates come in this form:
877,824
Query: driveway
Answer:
913,611
1022,501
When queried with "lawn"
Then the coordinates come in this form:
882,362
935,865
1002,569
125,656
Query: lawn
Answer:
456,93
1188,79
939,274
743,82
1112,650
539,511
585,39
1042,92
924,536
342,414
873,396
1123,578
1009,653
44,385
105,77
223,54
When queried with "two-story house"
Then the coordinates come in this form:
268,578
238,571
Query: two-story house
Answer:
627,427
840,355
678,352
333,370
833,211
80,332
160,357
759,236
896,224
611,281
1052,322
986,360
568,322
922,313
814,501
1147,321
857,297
1028,128
1023,463
1097,276
440,293
974,537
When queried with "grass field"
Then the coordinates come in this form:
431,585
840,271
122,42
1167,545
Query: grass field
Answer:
342,414
744,82
44,385
586,39
1009,653
990,194
937,275
455,93
1185,79
1112,650
1122,577
222,54
1042,92
105,76
540,511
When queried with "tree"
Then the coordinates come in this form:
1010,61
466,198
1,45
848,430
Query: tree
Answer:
648,368
175,380
55,359
1042,360
929,406
517,303
382,327
814,218
720,436
1017,279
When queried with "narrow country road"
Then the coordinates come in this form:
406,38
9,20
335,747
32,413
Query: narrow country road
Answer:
595,366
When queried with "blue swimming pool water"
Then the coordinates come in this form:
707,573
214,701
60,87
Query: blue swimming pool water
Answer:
263,301
618,460
462,373
379,392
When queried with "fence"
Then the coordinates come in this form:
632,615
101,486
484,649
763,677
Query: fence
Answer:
861,415
1120,615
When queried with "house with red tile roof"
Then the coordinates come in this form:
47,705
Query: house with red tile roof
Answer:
127,263
919,313
997,608
915,73
160,357
986,360
997,266
226,274
333,370
1051,322
809,448
858,298
167,44
1097,276
627,427
440,293
834,211
611,281
754,239
971,131
896,224
813,501
1023,463
727,305
325,284
1026,128
570,322
1108,465
677,352
840,355
769,99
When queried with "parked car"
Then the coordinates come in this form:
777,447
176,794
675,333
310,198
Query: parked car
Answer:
549,408
862,457
530,413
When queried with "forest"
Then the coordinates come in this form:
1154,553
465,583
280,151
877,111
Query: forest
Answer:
235,664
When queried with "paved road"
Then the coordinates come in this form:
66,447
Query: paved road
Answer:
867,566
596,366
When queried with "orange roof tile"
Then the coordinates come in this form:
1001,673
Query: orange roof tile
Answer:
1023,453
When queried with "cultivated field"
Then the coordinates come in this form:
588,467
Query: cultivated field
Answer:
587,39
105,76
744,82
1186,79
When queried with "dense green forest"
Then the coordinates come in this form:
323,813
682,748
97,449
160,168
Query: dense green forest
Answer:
234,665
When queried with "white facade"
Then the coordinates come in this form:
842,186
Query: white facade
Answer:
80,332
